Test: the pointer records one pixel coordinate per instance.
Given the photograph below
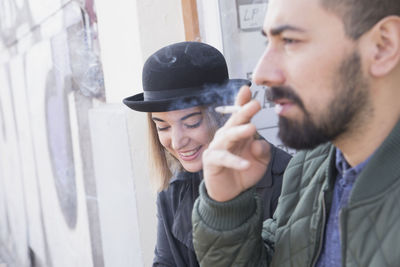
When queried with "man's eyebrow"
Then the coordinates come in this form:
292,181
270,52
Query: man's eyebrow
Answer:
190,115
279,29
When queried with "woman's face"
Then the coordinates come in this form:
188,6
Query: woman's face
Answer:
185,133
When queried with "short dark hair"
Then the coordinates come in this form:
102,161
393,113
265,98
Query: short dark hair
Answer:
359,16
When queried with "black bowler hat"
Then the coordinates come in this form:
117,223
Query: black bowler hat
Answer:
184,75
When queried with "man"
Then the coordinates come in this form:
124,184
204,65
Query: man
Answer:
333,68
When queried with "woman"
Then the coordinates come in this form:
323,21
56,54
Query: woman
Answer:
182,84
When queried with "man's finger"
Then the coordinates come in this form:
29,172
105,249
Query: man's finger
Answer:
245,114
243,96
217,159
261,150
228,137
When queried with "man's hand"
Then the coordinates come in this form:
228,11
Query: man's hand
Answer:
234,161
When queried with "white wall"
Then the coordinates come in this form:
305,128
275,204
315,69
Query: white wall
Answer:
129,32
68,195
126,203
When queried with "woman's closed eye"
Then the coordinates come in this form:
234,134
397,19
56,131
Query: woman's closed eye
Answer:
162,128
160,124
194,125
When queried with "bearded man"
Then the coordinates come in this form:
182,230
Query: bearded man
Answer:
333,72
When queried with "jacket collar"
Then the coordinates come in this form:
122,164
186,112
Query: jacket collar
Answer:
382,171
183,175
188,190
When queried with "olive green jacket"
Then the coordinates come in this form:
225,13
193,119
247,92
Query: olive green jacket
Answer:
232,233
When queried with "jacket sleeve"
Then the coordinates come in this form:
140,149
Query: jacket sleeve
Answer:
229,233
162,252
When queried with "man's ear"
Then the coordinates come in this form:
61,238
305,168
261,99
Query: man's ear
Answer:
383,42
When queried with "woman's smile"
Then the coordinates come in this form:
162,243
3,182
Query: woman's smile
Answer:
189,155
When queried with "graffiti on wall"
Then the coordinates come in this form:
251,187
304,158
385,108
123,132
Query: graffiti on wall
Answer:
50,76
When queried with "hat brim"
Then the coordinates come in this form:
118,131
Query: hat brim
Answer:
222,94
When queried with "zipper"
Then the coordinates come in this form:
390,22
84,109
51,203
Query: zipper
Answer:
314,262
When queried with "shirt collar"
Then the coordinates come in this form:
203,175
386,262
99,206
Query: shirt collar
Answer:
344,168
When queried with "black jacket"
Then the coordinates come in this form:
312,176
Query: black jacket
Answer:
174,210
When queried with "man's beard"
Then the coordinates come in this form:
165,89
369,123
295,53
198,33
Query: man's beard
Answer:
352,96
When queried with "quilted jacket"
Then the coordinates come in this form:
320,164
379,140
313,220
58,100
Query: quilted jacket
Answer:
232,233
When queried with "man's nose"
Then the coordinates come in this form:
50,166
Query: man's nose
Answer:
269,71
179,139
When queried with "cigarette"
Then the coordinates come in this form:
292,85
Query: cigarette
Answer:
227,109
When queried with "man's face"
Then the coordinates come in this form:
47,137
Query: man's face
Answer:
314,73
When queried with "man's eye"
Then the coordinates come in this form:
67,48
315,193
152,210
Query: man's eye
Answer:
289,41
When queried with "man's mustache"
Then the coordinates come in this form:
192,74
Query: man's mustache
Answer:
275,93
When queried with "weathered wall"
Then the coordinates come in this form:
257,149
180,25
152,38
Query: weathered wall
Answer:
50,76
73,183
129,31
74,188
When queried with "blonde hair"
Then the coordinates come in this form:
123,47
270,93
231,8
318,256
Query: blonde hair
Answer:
162,164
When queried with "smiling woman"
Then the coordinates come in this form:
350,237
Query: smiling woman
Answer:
178,139
184,134
183,83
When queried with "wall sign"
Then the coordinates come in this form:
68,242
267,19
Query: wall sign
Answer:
251,15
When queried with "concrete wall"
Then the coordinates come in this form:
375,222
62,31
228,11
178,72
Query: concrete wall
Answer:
50,76
126,201
73,180
74,187
129,31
